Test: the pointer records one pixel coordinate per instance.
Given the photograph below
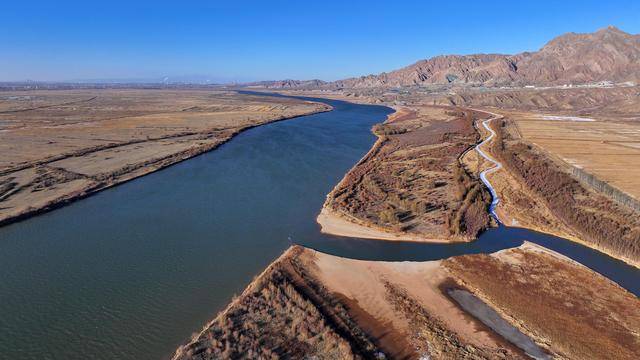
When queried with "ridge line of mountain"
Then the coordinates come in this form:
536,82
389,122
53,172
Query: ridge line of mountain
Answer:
608,55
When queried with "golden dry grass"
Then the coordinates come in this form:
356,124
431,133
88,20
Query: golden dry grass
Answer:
606,148
283,314
545,195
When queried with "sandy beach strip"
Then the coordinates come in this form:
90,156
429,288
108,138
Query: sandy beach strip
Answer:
336,224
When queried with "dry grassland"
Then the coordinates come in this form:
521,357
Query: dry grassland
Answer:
608,149
567,308
540,193
58,146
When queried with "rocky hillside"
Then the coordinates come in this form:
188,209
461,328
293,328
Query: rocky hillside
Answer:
469,69
606,55
288,84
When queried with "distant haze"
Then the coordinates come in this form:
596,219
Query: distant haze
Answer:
256,40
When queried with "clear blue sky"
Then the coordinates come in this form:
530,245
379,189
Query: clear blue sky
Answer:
257,40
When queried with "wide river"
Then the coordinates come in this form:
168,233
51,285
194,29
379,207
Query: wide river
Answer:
133,271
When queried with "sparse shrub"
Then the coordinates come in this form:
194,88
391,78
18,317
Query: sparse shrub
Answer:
387,129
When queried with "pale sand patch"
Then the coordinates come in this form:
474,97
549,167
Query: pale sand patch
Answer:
565,118
509,256
365,286
334,224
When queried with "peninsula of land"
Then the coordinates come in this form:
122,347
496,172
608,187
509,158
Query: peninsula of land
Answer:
411,186
468,307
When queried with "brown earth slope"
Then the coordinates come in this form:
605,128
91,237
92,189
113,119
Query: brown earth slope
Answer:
411,185
620,103
573,312
61,145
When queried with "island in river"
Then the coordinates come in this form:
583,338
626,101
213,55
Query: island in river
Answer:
567,172
412,186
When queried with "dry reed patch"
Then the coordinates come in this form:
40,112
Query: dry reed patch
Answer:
412,182
578,314
596,219
282,314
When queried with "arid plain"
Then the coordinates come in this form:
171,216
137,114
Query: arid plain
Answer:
58,146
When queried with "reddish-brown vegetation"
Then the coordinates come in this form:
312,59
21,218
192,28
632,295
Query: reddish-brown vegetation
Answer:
577,313
598,219
313,305
412,181
433,337
283,314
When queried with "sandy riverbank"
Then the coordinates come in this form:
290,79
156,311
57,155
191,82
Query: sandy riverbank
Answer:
404,310
337,224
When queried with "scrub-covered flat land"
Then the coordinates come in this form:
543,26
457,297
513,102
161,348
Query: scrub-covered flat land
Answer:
565,307
411,185
542,192
304,305
60,145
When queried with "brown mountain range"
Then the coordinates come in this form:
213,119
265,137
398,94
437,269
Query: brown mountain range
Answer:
605,55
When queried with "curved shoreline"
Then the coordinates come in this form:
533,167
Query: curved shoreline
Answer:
234,301
336,223
158,165
190,254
